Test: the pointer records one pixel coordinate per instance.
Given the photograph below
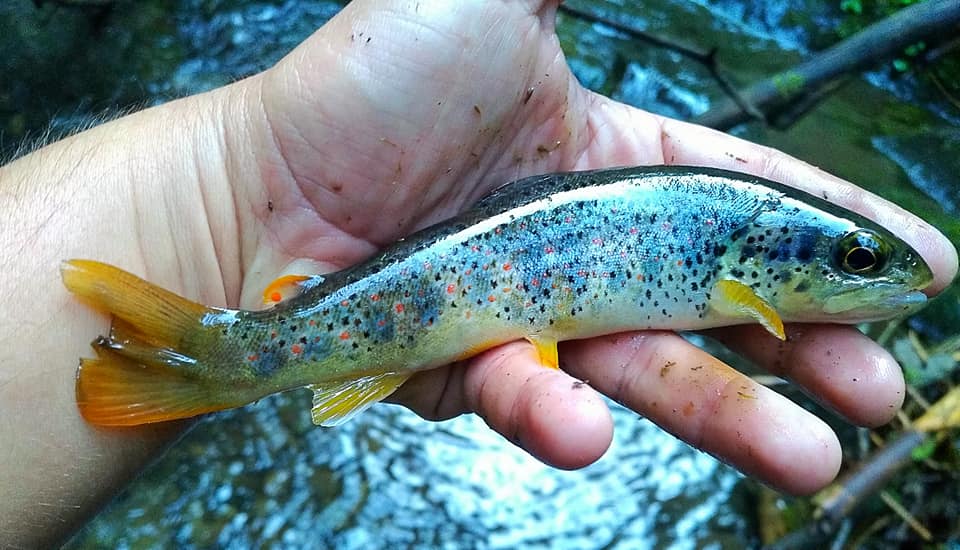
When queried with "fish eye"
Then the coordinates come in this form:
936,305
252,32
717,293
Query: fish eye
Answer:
862,252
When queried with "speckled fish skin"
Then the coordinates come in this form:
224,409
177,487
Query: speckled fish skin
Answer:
566,256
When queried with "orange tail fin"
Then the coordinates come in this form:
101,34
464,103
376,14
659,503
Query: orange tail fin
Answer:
143,371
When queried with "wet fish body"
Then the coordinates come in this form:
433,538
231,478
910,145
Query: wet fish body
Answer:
548,258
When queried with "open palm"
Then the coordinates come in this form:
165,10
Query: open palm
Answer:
397,115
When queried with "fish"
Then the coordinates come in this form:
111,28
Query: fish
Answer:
547,258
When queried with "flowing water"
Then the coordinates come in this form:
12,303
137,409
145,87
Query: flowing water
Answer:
264,476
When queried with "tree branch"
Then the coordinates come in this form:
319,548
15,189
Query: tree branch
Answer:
875,44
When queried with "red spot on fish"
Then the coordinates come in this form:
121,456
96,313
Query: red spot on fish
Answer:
253,357
634,230
451,288
491,298
597,241
345,303
498,230
568,219
534,282
549,250
679,263
475,248
427,266
312,323
709,221
273,334
381,322
296,349
468,272
507,266
398,308
276,296
374,297
316,338
344,335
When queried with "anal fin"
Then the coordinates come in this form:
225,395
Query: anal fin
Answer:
335,403
547,349
736,299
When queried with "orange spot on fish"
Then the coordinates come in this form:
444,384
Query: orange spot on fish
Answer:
374,297
507,289
451,288
296,349
398,308
467,314
275,296
507,266
344,335
679,263
491,298
253,357
312,323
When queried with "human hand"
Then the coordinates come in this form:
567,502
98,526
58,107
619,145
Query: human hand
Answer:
395,116
389,119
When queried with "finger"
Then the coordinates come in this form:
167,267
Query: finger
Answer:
435,394
552,416
711,406
690,144
838,365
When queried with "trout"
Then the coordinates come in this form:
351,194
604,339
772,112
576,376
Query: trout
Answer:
547,258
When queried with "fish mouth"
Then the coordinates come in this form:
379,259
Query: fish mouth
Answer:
907,300
873,304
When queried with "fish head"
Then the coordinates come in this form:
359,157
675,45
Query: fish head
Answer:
816,262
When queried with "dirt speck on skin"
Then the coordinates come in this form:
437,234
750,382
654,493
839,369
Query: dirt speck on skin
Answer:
666,368
689,408
696,368
270,206
476,109
528,94
577,384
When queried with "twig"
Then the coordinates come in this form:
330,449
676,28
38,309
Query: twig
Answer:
906,516
874,44
706,58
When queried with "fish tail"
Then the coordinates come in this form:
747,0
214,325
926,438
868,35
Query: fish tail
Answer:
143,371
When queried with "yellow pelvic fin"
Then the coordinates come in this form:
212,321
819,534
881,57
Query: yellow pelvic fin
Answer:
736,299
140,374
547,349
284,288
335,403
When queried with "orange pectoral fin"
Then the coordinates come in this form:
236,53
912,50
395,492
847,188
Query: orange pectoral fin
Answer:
285,287
547,349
